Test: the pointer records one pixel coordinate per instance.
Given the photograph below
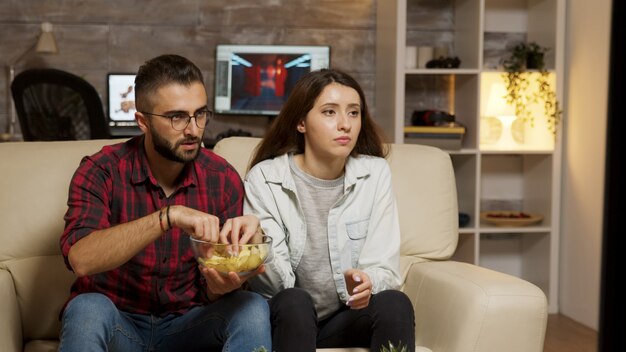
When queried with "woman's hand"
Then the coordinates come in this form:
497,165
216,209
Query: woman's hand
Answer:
239,230
359,287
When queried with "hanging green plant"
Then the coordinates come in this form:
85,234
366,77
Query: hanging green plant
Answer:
524,57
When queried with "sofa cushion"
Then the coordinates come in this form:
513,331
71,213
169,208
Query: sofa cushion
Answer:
42,284
429,229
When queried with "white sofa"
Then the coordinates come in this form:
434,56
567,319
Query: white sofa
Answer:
459,307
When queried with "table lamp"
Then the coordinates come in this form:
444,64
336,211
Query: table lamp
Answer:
45,44
498,107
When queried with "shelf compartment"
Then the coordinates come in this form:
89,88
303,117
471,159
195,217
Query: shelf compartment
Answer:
500,129
454,25
519,182
512,21
525,255
455,94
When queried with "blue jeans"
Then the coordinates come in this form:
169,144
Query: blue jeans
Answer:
238,322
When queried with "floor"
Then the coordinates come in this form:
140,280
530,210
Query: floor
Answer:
566,335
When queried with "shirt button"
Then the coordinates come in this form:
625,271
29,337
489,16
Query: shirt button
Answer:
338,272
164,260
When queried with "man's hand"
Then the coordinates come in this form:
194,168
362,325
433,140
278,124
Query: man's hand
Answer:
220,284
239,230
197,224
359,287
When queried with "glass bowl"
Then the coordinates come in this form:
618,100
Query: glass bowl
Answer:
241,259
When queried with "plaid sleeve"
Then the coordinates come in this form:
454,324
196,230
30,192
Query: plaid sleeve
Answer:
88,200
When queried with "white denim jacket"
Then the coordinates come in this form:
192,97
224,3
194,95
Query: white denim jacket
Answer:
363,227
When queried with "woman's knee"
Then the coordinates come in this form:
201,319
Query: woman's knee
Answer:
292,302
393,303
292,298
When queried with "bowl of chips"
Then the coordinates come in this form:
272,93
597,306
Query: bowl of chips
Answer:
225,257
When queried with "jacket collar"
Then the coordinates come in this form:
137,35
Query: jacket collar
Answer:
280,173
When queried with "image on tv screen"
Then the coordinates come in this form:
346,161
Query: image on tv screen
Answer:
263,81
250,81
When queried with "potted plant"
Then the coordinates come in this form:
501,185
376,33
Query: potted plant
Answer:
524,57
392,348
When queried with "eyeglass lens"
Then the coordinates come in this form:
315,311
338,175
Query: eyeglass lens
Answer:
181,121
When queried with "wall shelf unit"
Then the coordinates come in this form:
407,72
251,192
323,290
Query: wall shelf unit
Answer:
523,177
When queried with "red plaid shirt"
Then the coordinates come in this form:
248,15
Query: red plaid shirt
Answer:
115,186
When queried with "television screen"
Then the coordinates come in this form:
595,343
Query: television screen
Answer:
121,104
257,79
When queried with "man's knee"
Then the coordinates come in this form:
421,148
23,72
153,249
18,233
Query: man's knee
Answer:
93,306
252,305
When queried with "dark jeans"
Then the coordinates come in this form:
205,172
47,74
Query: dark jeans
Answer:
388,318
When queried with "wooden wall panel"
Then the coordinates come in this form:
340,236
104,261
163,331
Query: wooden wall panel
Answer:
97,37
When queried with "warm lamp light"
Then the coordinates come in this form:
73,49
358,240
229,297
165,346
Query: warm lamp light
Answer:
498,107
46,44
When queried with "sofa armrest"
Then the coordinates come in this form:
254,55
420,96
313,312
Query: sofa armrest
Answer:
10,321
461,307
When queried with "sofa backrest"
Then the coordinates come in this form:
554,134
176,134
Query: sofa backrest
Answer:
425,189
34,182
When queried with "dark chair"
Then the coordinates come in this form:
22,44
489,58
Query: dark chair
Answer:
56,105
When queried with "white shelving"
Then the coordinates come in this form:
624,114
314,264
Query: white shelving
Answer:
525,178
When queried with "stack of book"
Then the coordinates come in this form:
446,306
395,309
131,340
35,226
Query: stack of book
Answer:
444,137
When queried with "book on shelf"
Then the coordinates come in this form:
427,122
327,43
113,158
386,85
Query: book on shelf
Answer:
437,136
435,129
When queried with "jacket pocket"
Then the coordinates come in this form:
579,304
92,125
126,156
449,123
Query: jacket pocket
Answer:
357,230
357,233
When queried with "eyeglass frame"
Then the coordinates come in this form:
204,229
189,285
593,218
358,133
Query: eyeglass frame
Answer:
208,111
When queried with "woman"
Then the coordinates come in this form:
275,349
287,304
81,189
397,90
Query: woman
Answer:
322,189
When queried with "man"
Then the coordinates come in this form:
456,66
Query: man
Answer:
131,208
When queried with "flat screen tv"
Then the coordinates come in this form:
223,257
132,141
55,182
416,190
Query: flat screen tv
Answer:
257,79
121,104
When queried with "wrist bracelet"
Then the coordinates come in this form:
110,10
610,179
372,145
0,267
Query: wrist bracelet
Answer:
161,220
167,214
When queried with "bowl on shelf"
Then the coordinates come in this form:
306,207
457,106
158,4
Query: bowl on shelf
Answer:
510,218
241,259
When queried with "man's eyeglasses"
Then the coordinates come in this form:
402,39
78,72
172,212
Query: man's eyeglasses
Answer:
180,120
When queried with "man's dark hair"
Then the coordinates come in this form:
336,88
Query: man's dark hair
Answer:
161,71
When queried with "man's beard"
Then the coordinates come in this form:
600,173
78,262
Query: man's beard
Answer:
169,151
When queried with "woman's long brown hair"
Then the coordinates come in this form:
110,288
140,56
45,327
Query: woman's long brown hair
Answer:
283,136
